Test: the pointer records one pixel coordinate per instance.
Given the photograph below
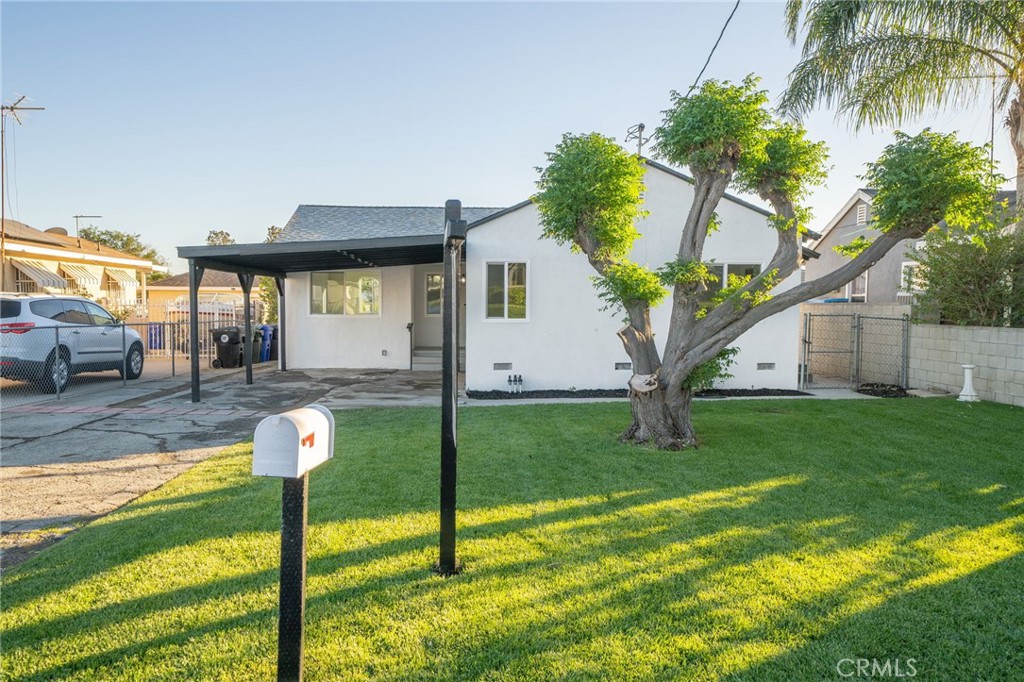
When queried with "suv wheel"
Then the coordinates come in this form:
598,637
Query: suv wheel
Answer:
57,374
134,362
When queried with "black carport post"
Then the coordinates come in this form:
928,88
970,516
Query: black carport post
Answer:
195,277
282,356
454,236
245,279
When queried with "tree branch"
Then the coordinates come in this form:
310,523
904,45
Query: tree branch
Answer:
713,342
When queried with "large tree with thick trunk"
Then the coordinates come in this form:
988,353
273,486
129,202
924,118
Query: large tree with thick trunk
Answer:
885,62
591,197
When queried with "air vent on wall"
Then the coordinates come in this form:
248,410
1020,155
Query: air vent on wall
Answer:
502,366
623,365
766,365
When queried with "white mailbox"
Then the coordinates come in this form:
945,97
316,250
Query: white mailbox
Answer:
290,444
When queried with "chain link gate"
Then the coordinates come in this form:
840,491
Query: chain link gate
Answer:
841,350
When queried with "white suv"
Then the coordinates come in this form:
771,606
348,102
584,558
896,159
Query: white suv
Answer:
46,338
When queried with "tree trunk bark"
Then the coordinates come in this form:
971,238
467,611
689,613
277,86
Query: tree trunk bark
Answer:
661,419
1015,122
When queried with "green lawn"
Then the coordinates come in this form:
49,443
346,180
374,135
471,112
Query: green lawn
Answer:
802,533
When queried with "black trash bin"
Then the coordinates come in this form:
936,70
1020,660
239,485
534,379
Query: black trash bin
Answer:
228,343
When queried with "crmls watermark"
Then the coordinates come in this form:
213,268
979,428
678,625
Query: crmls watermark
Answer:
873,667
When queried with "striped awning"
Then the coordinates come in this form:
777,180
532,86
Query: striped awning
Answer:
122,277
79,273
38,273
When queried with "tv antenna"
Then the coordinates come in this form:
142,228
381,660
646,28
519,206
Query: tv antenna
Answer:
6,110
77,217
637,133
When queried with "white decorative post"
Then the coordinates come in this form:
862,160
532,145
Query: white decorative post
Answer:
968,395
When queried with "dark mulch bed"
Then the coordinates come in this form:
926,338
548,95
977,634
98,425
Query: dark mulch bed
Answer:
884,391
623,393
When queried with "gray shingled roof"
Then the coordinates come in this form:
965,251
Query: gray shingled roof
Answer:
211,278
328,223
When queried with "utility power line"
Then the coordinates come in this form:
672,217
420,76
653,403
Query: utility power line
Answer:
5,111
714,47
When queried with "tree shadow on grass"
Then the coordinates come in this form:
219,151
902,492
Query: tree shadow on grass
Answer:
644,566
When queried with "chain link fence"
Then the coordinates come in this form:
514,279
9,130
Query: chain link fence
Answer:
41,363
850,351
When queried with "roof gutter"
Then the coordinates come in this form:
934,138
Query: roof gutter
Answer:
83,257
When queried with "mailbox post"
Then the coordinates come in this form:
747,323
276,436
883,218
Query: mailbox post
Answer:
288,446
454,237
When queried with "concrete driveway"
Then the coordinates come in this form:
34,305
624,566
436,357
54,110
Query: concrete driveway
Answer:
65,463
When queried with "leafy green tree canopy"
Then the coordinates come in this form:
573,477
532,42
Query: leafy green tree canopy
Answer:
790,166
971,276
266,286
219,238
926,178
126,242
590,192
713,128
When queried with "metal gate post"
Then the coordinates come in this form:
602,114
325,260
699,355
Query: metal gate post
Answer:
124,356
805,346
855,375
906,351
56,360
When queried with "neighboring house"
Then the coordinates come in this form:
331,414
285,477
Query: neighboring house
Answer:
219,292
51,261
889,280
528,305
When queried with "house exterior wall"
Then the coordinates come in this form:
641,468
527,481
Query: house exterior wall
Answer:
103,290
356,341
938,351
567,340
885,278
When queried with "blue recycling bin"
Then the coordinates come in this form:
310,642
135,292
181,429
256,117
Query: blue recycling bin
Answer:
268,337
155,336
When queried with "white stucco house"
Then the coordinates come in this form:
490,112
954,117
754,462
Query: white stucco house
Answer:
528,305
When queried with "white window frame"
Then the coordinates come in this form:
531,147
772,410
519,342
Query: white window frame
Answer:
426,295
343,314
715,287
913,289
849,288
505,263
23,284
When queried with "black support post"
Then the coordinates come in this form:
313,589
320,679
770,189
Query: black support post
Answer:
454,236
245,280
282,356
195,278
292,602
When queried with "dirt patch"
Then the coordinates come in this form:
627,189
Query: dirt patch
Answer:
884,391
16,548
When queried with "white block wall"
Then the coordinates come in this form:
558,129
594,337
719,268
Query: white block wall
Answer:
938,351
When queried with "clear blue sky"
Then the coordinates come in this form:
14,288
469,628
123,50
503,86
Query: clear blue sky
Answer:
173,119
